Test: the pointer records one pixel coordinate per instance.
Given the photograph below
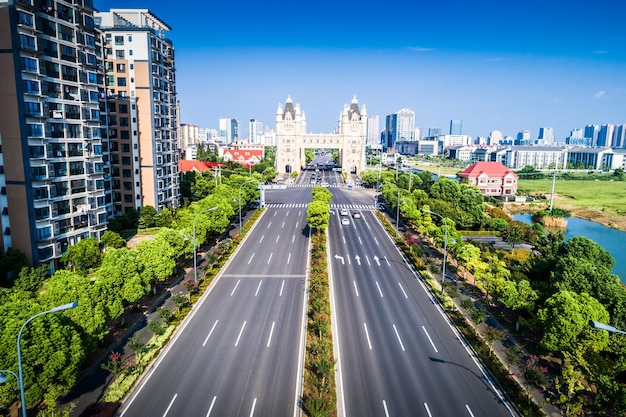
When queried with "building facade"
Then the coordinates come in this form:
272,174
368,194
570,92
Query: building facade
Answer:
188,135
292,139
140,77
54,163
399,126
492,178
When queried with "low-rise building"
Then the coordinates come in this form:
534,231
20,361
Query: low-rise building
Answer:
492,178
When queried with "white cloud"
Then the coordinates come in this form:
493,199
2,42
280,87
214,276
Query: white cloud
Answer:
600,94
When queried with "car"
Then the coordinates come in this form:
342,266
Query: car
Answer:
313,181
356,214
344,212
345,221
324,184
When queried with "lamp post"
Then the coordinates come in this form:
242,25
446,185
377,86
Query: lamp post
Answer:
4,378
19,351
242,184
193,231
602,326
445,245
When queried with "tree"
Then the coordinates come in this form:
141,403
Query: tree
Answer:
447,190
83,256
165,218
123,271
11,263
321,194
158,257
513,234
565,320
518,295
148,217
31,279
111,239
318,215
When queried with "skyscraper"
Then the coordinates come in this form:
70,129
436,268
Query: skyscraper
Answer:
456,127
546,135
400,126
141,95
229,130
53,158
373,131
256,130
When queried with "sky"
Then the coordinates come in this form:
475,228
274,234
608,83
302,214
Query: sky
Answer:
496,65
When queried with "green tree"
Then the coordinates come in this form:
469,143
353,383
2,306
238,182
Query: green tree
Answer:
111,239
447,190
318,215
165,218
518,295
123,270
158,257
148,217
513,235
31,279
565,320
11,263
83,256
321,194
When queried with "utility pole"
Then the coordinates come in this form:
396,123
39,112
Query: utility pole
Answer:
552,191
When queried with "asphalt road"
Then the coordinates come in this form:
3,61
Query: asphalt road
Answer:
397,355
240,353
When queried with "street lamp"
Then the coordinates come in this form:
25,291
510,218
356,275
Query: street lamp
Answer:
4,378
193,231
19,351
242,184
602,326
445,245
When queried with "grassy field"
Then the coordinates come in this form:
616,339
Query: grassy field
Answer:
599,195
436,169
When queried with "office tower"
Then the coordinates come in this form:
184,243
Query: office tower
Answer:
605,135
229,130
456,127
53,157
417,134
373,131
435,131
142,104
400,126
546,135
495,137
523,138
256,130
591,134
188,135
619,137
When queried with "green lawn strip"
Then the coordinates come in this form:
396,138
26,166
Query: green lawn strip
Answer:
320,396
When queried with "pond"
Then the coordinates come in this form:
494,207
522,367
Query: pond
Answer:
614,241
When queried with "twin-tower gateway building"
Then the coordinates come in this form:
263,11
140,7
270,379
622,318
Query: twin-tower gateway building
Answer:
292,137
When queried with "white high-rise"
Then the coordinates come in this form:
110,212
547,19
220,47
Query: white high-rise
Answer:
373,131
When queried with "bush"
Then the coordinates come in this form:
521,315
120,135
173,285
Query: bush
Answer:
156,328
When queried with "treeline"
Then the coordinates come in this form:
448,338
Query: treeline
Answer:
104,278
552,292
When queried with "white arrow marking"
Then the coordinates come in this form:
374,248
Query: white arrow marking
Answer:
358,259
376,259
340,257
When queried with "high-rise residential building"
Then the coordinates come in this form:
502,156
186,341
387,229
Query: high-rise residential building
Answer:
53,158
456,127
619,137
546,135
495,137
256,130
372,138
591,134
188,135
229,130
605,135
399,126
141,95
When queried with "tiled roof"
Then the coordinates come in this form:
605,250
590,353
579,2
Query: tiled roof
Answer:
186,166
491,169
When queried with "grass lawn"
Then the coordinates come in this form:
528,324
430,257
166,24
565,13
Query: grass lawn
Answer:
436,169
609,195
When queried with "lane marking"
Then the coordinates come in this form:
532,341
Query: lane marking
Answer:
293,238
431,340
211,407
240,333
299,212
403,292
427,410
253,406
238,281
360,241
282,286
170,406
385,407
275,213
356,290
269,339
344,239
469,410
262,237
283,226
379,290
368,260
287,213
348,259
367,335
258,288
297,223
387,260
288,258
269,224
270,258
375,240
250,260
398,336
277,237
209,335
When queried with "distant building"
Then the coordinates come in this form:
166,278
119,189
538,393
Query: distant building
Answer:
495,138
546,136
456,127
399,126
229,130
188,135
256,130
373,131
492,178
523,138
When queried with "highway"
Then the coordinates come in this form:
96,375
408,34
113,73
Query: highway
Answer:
397,355
241,351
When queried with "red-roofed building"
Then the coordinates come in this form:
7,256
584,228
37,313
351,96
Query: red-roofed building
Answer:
245,157
192,165
493,179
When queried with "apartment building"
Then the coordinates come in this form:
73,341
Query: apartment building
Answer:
53,158
143,118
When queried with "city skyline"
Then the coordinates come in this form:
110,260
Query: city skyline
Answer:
506,67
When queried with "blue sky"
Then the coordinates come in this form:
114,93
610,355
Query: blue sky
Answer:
499,65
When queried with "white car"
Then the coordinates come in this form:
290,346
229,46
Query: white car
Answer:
324,184
344,212
345,221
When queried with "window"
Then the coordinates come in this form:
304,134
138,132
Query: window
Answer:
29,64
25,19
109,66
32,109
92,78
119,40
123,121
68,53
69,73
66,33
130,38
34,130
119,54
27,42
90,40
124,134
93,96
31,87
42,213
130,52
126,160
123,108
120,67
121,82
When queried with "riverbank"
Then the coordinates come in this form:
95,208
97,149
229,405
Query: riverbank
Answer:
606,218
